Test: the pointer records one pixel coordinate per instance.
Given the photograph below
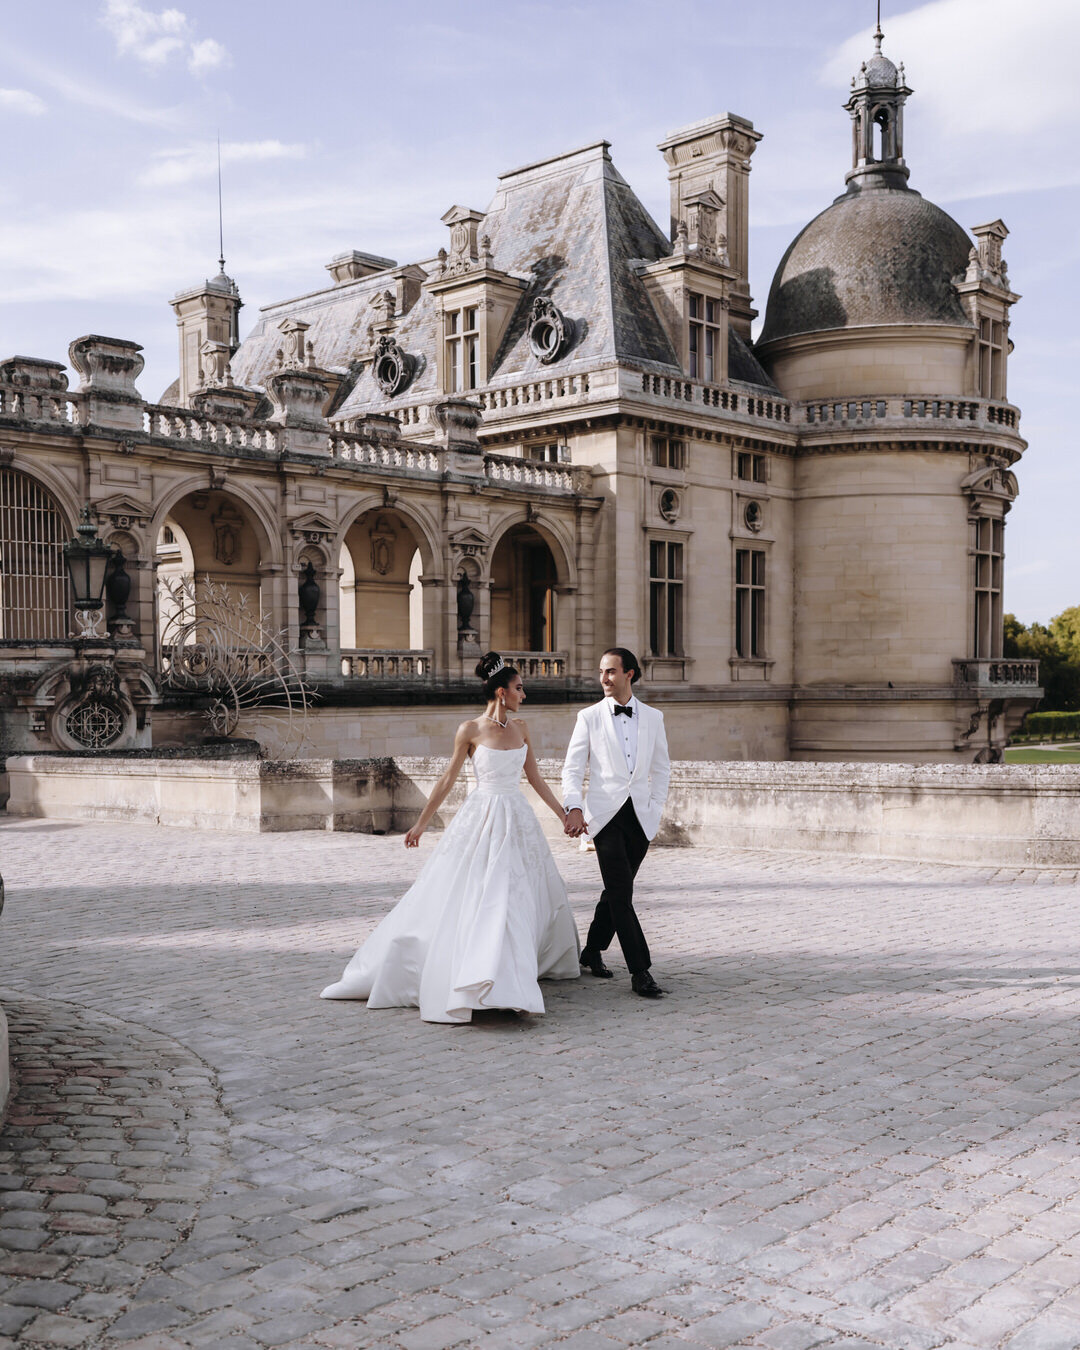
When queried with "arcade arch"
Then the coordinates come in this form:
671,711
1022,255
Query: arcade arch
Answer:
381,593
208,535
33,579
524,582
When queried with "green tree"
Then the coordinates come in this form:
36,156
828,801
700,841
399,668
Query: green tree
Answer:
1066,630
1059,661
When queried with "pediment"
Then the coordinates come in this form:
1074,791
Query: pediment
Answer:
994,481
469,535
708,197
313,526
123,510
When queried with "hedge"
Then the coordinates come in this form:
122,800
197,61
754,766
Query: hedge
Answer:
1051,726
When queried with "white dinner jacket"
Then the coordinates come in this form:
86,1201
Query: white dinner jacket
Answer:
596,745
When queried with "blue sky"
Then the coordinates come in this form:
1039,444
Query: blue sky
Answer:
355,125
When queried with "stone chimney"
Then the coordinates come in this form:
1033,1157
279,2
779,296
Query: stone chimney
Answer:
715,154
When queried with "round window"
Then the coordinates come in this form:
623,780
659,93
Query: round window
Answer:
548,330
95,725
392,368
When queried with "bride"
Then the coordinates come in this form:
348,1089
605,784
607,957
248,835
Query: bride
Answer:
488,915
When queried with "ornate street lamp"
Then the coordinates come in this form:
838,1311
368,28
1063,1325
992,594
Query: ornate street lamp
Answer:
87,560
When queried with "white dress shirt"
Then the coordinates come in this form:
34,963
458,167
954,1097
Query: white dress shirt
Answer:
627,729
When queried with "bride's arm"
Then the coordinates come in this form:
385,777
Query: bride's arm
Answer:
462,742
536,779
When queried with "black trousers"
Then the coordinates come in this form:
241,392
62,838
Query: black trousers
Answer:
620,849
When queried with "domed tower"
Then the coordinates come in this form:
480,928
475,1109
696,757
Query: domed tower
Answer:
890,328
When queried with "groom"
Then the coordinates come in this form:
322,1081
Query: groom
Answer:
623,743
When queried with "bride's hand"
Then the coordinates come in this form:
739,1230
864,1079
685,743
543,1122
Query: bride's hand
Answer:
412,839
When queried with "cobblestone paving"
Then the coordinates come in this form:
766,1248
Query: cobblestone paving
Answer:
853,1123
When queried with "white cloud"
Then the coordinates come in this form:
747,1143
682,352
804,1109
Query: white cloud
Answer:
996,96
171,168
153,38
207,55
22,101
982,66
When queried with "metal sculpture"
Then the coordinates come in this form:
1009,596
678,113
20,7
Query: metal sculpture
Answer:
221,647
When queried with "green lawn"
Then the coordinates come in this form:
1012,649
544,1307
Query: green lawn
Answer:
1022,755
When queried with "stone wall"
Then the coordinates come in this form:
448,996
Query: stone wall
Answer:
729,728
1015,816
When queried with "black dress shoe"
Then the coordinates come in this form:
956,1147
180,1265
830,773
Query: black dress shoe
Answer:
593,962
644,984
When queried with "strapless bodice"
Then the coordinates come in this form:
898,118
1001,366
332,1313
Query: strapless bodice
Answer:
498,770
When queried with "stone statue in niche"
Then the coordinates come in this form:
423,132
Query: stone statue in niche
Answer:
466,602
227,523
383,537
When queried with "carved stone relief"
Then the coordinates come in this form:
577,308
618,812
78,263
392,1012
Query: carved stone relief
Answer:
383,538
227,522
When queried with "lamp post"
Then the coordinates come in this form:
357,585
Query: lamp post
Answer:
86,558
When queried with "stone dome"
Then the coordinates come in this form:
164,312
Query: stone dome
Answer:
881,256
879,72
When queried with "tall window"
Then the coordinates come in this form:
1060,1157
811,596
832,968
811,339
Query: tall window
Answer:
668,452
991,358
704,338
665,598
33,578
749,602
462,347
989,559
753,468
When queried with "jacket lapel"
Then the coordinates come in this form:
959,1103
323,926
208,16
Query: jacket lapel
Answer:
644,742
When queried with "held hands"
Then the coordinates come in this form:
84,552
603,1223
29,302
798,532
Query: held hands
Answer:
574,823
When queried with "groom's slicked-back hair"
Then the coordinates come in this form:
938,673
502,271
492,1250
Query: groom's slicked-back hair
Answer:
629,661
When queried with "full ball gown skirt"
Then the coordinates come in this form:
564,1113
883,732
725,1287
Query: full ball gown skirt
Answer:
485,919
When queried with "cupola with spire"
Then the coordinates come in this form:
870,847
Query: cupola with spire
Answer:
864,301
876,105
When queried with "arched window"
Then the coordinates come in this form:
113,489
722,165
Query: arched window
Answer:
882,134
33,579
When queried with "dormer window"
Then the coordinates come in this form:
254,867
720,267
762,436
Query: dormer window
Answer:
704,338
462,342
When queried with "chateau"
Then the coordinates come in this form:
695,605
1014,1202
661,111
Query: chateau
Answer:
554,434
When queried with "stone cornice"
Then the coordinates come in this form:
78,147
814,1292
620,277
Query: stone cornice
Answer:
960,334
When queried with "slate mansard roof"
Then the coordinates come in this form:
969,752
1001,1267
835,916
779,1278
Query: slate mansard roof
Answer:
572,228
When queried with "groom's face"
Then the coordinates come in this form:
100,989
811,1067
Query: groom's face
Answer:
614,681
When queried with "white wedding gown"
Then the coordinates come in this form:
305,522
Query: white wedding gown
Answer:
485,919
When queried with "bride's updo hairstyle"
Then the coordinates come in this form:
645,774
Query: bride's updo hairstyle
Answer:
493,673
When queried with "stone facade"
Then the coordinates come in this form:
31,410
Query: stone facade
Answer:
554,434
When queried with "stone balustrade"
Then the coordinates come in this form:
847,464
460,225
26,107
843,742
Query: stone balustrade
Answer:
532,392
372,664
868,411
352,449
512,469
180,424
37,405
419,664
681,390
996,672
538,665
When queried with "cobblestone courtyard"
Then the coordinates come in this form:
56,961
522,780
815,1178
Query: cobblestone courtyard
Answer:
852,1123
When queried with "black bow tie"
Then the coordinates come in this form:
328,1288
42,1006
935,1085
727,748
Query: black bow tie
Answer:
623,710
